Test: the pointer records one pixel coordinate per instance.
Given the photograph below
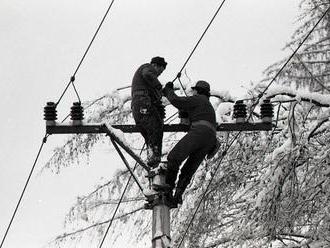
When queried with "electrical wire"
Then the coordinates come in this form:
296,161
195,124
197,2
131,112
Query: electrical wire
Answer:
289,59
195,47
260,95
44,140
207,187
72,79
125,162
120,201
122,196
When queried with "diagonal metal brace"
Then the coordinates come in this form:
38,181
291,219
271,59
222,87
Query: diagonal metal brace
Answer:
125,162
125,147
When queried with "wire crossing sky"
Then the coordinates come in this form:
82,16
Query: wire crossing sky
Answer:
42,42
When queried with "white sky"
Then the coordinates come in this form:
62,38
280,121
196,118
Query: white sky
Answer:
41,43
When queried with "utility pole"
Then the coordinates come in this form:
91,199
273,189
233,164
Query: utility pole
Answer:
158,202
160,206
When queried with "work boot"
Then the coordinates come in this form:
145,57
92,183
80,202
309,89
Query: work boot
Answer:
178,195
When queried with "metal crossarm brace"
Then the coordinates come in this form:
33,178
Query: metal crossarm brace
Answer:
125,162
125,147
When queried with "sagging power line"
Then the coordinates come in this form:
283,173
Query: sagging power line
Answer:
73,78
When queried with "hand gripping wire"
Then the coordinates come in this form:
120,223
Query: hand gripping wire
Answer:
44,140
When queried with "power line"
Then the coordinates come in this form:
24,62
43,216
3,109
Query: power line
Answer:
44,140
124,191
260,95
289,59
208,186
120,201
195,47
126,163
72,79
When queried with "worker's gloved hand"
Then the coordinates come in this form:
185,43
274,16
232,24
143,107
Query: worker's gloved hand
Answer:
169,86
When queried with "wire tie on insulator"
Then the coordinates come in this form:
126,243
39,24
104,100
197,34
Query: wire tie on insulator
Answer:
72,79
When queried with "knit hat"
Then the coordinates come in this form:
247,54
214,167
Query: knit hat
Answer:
159,61
202,85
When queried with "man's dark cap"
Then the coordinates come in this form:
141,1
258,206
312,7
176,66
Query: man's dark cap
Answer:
202,85
159,61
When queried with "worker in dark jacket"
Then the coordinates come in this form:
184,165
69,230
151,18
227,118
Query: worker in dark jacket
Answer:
147,108
197,143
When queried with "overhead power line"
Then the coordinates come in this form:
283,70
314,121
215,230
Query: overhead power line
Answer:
292,55
44,140
72,79
195,47
224,153
122,196
120,201
233,140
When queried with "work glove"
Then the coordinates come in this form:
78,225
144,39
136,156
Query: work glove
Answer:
169,86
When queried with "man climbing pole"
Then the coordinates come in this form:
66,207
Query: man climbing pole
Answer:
197,143
148,111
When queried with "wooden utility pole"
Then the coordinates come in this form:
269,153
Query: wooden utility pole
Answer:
160,206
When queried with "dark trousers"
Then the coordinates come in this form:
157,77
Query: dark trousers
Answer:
150,122
193,146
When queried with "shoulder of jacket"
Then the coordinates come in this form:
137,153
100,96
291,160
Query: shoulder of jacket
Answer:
146,65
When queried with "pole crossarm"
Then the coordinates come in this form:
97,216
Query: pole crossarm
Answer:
102,128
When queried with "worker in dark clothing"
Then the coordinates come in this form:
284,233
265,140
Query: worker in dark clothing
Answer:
147,108
197,143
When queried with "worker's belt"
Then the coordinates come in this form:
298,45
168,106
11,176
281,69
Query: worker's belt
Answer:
204,123
140,93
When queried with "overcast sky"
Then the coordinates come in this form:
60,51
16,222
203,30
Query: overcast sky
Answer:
41,43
